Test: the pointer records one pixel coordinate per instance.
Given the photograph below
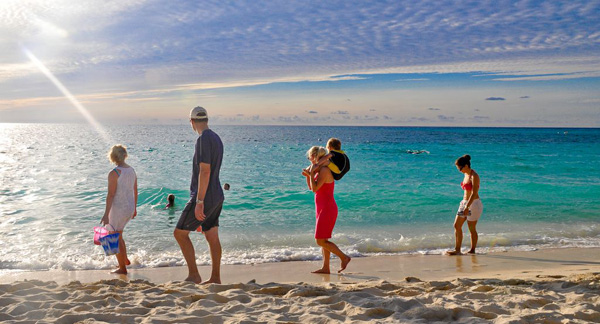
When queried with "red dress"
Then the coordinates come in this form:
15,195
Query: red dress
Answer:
326,210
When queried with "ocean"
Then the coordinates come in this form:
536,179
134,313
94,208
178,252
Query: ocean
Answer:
540,188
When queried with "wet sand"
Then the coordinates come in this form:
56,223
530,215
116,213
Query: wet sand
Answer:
391,268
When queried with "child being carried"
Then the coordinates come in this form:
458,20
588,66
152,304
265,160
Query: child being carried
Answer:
336,160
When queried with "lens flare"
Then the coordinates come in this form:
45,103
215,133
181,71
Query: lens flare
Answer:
86,114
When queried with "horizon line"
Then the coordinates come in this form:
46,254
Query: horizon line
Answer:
305,125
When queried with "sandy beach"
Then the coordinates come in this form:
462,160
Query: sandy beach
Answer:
264,137
553,286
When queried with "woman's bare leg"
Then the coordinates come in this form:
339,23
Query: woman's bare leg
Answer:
326,257
121,256
331,247
458,236
474,236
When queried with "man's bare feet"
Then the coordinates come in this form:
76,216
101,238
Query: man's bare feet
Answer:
194,278
453,252
119,271
345,262
212,281
322,270
471,252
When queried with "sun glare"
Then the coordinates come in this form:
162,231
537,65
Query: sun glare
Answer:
86,114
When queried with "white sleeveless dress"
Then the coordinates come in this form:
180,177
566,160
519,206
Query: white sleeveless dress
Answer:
123,205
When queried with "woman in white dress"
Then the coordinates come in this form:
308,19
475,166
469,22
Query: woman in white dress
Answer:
121,200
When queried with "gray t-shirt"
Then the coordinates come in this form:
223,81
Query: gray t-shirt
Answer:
209,150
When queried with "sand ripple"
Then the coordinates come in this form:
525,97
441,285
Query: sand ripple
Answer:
553,300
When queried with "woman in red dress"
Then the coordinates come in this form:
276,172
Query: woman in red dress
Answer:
321,182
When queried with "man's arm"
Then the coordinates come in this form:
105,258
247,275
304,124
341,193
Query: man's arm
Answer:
203,179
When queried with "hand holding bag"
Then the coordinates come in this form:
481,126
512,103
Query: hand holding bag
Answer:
110,243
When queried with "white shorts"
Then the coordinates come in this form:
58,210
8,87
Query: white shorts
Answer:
474,211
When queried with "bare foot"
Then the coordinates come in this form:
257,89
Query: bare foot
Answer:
471,252
453,252
119,271
212,281
345,262
194,278
127,262
322,270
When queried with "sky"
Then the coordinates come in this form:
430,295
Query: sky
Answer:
391,63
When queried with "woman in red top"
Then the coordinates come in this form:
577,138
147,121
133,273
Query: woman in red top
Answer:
321,182
470,208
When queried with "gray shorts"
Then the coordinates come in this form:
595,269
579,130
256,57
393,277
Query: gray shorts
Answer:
188,222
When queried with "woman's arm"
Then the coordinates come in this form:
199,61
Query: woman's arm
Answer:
113,177
474,190
135,193
307,176
321,178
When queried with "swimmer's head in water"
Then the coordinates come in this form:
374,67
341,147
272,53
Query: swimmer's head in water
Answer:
171,199
226,186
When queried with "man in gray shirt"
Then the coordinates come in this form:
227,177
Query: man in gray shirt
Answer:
202,212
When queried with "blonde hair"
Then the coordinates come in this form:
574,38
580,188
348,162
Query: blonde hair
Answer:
117,154
317,151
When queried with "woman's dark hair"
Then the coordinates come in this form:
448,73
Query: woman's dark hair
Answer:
464,160
171,198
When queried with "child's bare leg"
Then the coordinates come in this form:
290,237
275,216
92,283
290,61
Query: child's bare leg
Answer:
121,256
323,161
325,267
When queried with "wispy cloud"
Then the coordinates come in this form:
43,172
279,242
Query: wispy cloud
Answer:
403,80
277,39
495,99
445,118
137,52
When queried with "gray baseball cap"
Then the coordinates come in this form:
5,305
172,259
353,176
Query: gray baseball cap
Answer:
198,113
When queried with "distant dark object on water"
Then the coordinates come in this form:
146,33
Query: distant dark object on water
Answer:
416,151
226,186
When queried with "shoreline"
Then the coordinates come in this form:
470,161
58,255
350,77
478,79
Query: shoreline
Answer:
394,268
551,286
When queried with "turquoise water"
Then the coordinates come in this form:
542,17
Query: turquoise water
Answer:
540,189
